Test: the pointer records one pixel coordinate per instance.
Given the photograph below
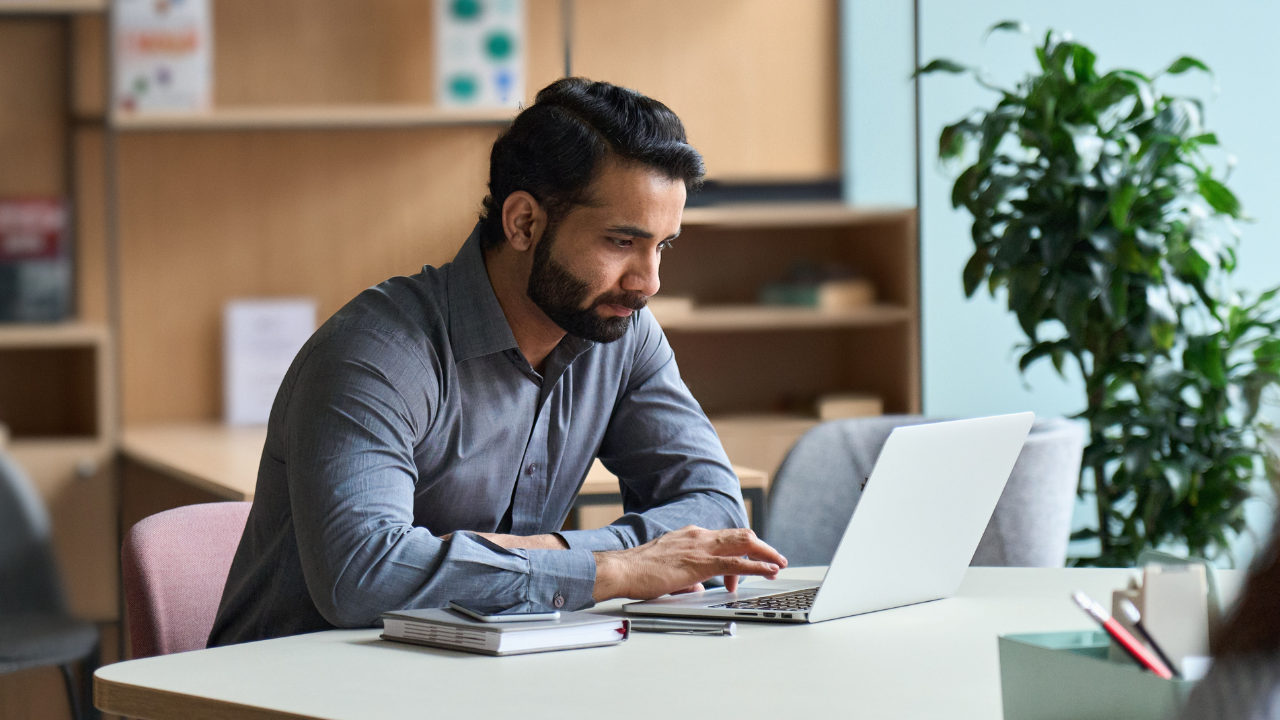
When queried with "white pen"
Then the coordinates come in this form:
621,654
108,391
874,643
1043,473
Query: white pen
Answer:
690,627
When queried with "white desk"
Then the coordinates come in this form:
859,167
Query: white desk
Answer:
935,660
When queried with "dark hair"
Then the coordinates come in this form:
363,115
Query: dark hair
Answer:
554,148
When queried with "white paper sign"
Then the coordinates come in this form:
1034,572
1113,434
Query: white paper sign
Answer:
260,340
163,54
480,53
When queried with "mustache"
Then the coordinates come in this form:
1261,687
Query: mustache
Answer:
631,301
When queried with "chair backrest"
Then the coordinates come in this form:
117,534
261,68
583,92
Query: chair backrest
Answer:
175,564
29,580
818,487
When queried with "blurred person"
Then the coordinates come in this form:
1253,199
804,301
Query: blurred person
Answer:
429,440
1244,681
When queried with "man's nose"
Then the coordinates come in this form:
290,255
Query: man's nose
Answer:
642,275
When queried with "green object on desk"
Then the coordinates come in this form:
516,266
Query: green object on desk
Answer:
1056,676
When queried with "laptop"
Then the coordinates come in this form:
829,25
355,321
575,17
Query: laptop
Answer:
911,537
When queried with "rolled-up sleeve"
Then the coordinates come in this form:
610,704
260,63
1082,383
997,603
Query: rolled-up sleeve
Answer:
352,425
672,469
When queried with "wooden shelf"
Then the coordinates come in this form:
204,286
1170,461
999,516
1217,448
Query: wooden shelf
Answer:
314,117
56,335
778,215
51,7
740,318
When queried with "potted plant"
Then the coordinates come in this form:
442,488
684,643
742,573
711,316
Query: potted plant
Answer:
1097,214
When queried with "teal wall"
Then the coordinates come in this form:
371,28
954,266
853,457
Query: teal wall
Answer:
970,365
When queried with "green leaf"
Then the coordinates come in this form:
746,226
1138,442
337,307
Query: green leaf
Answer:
1218,196
1185,63
966,186
1121,204
942,65
1007,26
952,141
975,270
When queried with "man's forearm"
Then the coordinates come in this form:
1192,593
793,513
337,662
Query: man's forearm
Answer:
549,541
609,576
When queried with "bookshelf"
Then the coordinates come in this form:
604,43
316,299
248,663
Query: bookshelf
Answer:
314,117
51,7
796,355
746,318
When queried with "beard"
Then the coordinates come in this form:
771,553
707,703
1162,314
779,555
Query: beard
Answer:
563,297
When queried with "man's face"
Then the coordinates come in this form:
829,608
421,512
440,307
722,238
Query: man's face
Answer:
599,265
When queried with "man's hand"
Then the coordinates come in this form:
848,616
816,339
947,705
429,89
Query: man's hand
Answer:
680,560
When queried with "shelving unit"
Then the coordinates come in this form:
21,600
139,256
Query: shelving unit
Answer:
58,381
316,117
51,7
740,318
758,370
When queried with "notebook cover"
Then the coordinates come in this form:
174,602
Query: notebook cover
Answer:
443,616
496,653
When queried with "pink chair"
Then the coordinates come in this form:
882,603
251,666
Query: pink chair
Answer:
175,564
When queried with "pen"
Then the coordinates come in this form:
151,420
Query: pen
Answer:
1135,618
691,627
1136,650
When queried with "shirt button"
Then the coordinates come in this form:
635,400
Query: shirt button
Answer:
531,468
558,601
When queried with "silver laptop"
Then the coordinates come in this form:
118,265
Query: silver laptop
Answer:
911,537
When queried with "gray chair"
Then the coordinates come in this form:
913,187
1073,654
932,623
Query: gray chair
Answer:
818,485
36,630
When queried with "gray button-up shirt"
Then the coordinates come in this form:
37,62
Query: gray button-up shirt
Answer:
412,414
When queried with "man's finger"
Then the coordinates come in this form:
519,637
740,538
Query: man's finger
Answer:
743,566
736,542
731,583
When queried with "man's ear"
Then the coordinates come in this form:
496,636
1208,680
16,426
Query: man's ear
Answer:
523,220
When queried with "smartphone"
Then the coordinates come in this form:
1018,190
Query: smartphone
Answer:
495,614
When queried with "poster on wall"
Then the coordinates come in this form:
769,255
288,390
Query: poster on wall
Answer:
480,53
163,52
35,260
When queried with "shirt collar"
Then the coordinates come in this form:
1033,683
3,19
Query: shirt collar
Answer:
476,323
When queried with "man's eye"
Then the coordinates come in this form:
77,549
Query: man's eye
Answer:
621,242
666,245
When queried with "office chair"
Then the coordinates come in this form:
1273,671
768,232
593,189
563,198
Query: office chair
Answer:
36,629
818,486
175,564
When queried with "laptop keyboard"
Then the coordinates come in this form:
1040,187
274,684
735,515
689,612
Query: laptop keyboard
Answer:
798,600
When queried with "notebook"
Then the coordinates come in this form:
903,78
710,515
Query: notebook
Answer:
439,627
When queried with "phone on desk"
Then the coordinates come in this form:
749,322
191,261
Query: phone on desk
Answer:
497,614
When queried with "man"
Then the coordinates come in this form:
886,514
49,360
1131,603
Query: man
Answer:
429,440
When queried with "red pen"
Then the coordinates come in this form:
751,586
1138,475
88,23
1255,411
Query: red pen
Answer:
1136,650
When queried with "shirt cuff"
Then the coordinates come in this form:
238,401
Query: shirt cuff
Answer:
598,540
561,579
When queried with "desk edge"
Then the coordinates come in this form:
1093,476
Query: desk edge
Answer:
145,459
136,701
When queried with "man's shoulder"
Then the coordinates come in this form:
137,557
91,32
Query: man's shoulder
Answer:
410,313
